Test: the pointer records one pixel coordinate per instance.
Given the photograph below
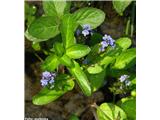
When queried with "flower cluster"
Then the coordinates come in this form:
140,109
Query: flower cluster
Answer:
86,30
124,78
107,40
47,78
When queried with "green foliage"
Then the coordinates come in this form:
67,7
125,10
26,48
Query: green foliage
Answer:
31,38
121,5
125,59
96,80
67,30
56,8
77,51
44,28
109,111
47,95
124,43
73,117
81,79
88,15
36,46
129,107
30,11
59,49
93,69
65,60
50,63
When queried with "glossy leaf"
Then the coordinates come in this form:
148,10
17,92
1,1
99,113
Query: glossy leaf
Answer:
44,27
125,59
59,49
31,38
96,80
94,69
88,15
121,5
67,30
81,79
129,107
109,111
124,43
65,60
56,8
50,63
46,95
77,51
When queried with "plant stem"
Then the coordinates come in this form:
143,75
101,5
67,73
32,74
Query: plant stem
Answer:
38,56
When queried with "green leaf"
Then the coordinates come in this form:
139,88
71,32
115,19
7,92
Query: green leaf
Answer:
36,46
77,51
46,95
73,117
44,27
65,60
81,79
67,30
59,49
124,43
121,5
125,59
92,16
56,8
96,80
109,111
94,69
129,107
50,63
31,38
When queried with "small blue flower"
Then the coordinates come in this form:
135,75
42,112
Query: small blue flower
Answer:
51,81
127,83
47,78
44,82
86,30
104,44
123,78
86,27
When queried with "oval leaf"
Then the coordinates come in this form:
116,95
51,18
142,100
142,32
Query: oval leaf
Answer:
50,63
96,80
108,111
92,16
65,60
67,30
77,51
81,79
46,95
124,43
129,107
56,8
125,59
44,27
94,69
121,5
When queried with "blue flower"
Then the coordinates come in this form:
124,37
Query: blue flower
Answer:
107,40
44,82
104,44
86,30
123,78
47,78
